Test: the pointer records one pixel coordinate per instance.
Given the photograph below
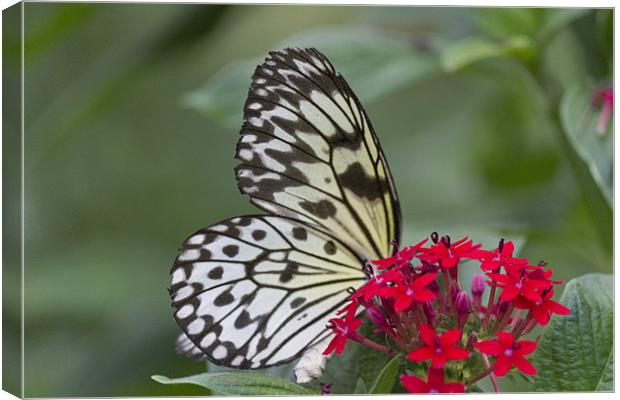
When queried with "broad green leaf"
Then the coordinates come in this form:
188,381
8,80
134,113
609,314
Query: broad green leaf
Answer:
595,148
240,383
470,50
606,383
374,64
387,377
575,351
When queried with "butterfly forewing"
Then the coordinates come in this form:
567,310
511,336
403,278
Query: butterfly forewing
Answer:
309,152
251,292
255,291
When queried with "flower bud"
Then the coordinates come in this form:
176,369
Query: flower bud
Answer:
463,303
429,313
463,307
326,388
454,291
502,307
376,316
477,286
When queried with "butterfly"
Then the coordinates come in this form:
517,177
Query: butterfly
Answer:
258,290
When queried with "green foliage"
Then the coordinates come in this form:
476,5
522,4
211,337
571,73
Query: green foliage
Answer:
240,383
575,352
374,63
387,377
467,51
579,118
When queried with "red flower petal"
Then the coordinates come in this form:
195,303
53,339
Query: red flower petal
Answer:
424,280
439,361
450,338
422,354
449,262
428,335
435,377
456,353
509,293
524,365
499,278
453,387
541,315
423,295
413,384
502,366
402,303
505,339
490,347
531,294
557,308
526,347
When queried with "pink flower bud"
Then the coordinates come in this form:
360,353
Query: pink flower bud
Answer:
477,285
463,303
463,307
376,316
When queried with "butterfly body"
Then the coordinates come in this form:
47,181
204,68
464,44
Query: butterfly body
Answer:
256,291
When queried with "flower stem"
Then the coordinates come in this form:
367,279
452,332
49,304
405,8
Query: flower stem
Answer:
371,343
518,330
493,379
487,317
503,320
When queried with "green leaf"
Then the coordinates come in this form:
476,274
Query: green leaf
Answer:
387,377
240,383
575,351
374,64
470,50
579,121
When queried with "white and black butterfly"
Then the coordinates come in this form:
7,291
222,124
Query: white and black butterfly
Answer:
257,290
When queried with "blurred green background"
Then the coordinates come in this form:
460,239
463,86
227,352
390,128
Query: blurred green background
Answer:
132,114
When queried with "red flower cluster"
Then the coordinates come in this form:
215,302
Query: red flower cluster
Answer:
414,299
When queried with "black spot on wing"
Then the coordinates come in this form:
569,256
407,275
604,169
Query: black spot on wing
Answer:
297,302
300,233
216,273
323,208
288,272
243,320
259,234
231,250
355,179
225,298
330,248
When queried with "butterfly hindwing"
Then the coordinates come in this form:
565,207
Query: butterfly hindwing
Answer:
255,291
308,151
